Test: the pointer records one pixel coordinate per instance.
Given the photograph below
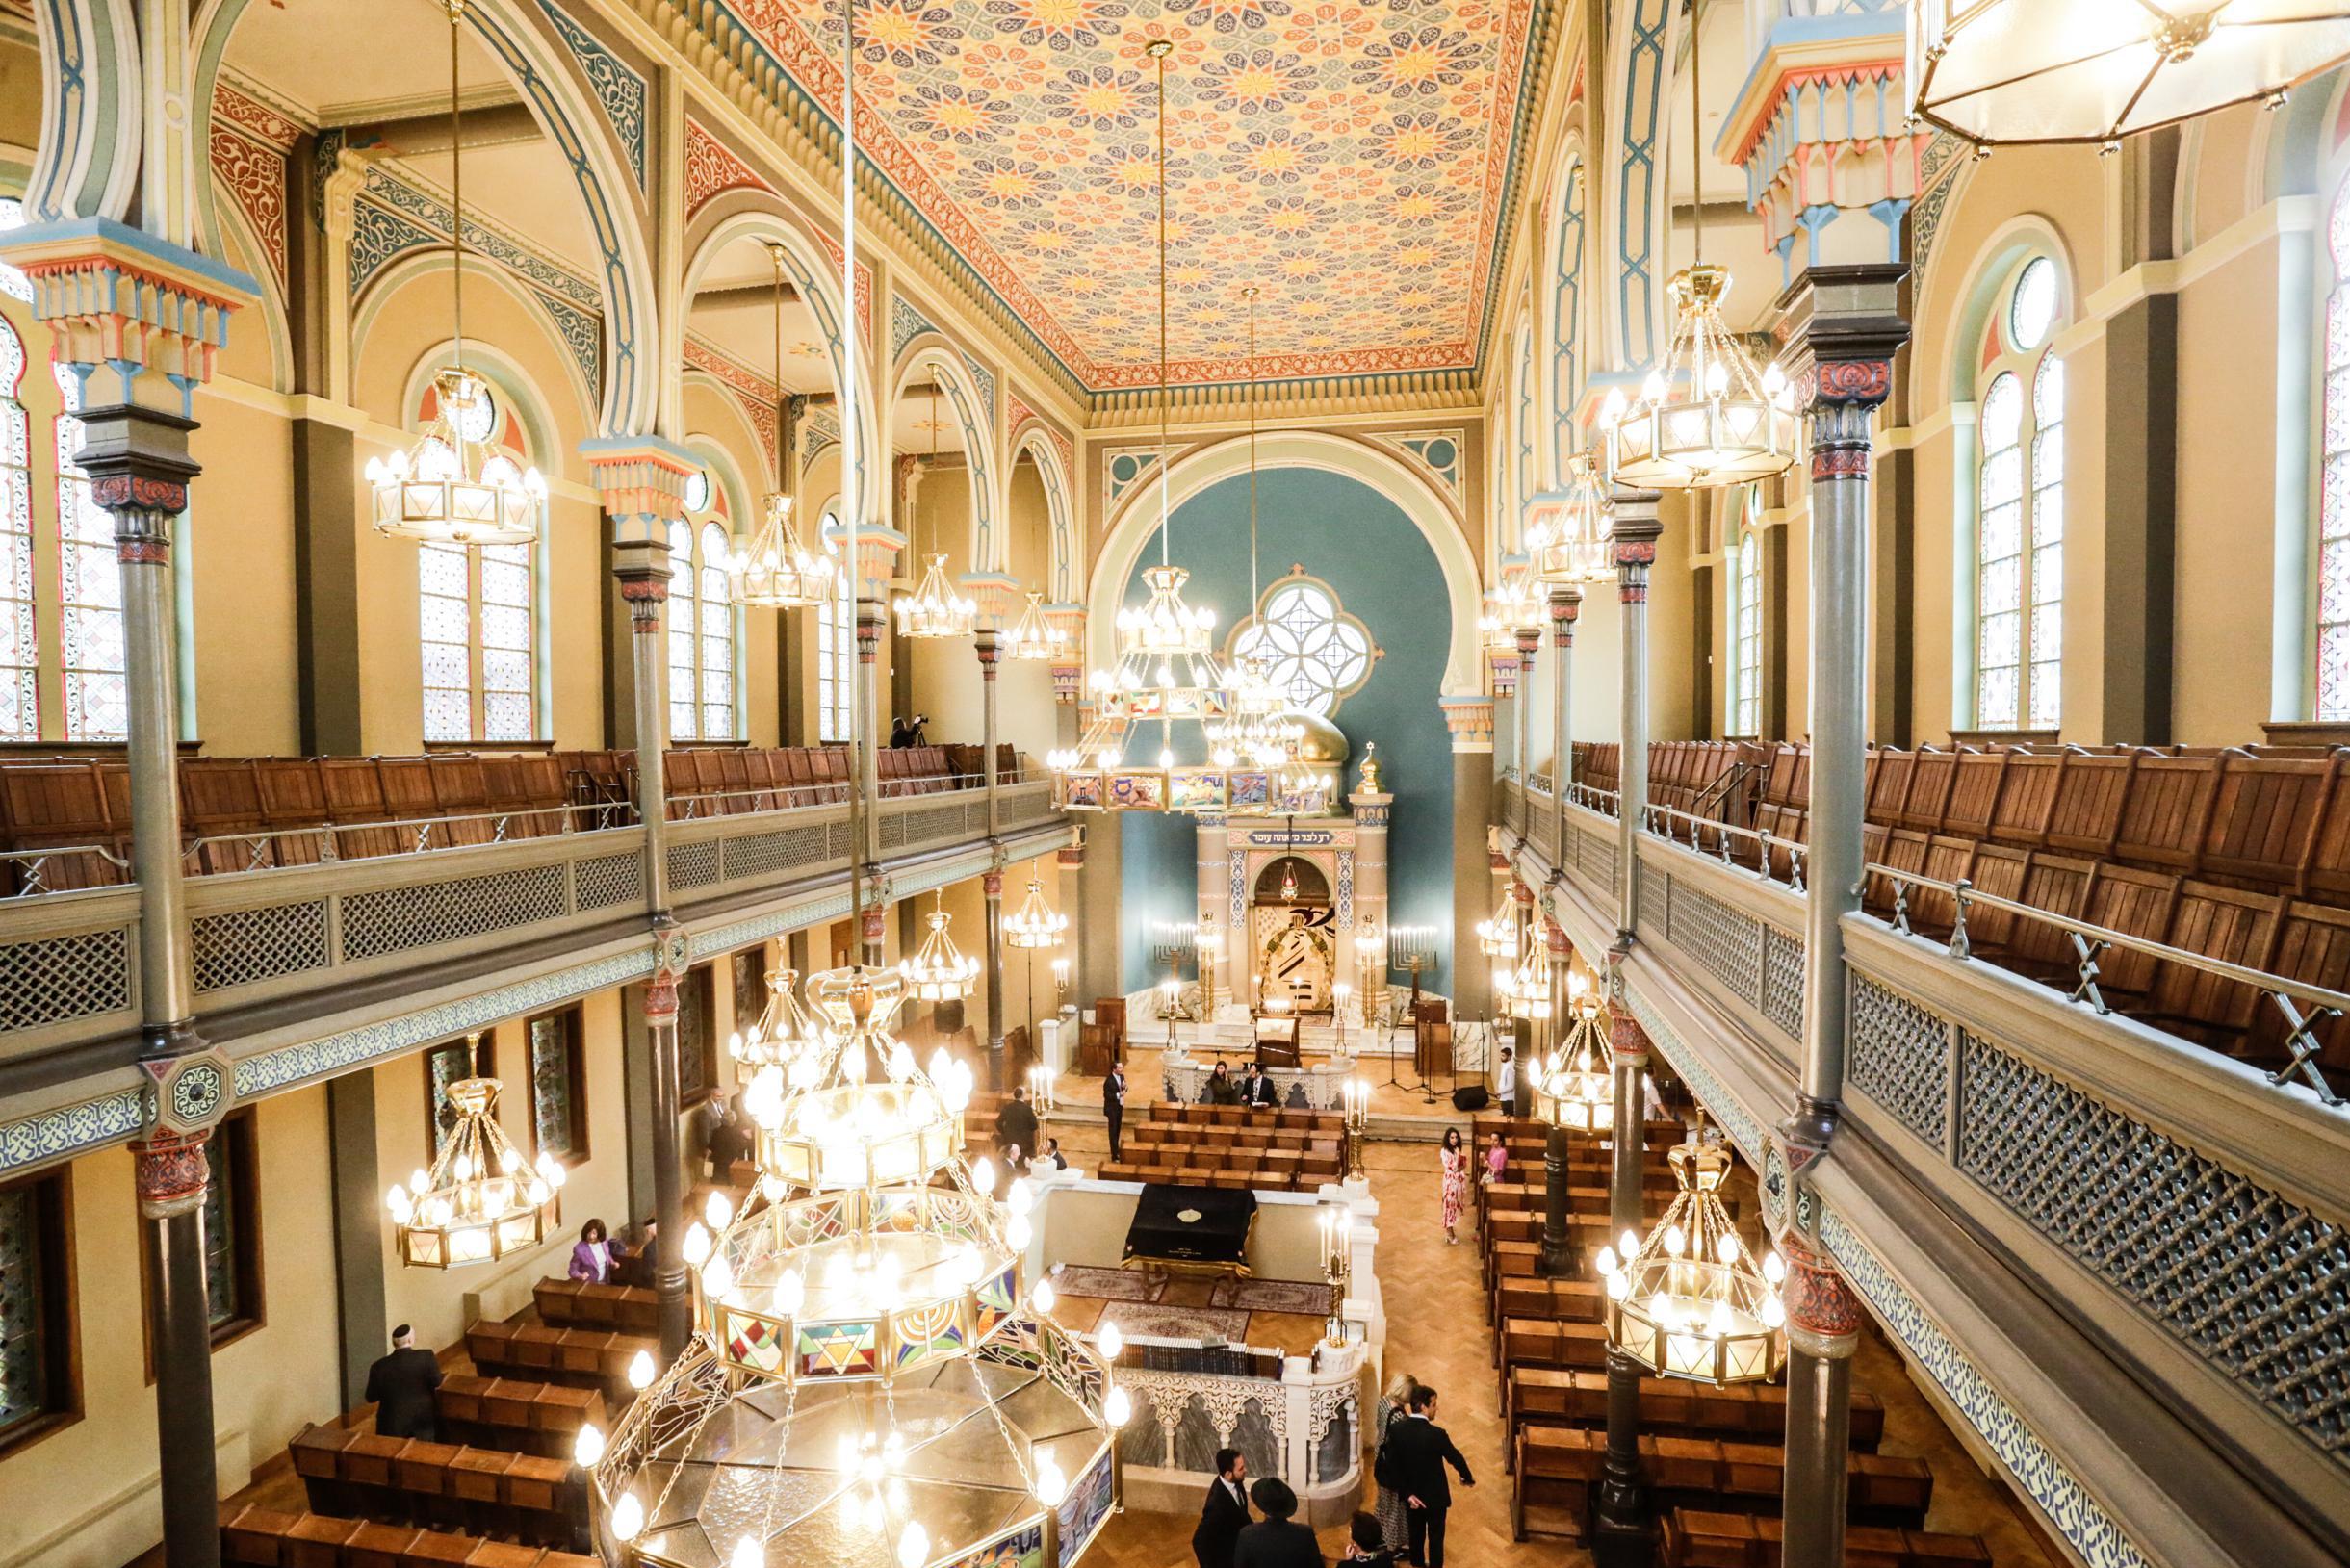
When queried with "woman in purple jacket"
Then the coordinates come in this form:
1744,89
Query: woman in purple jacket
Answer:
592,1259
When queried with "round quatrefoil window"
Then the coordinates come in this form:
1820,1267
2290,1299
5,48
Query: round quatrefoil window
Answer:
1312,650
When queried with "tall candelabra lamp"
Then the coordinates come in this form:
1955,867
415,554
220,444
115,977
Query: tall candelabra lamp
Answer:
1042,1088
1411,949
1206,936
1337,1224
1371,968
1354,1097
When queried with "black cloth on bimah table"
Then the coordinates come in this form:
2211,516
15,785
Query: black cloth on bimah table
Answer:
1191,1225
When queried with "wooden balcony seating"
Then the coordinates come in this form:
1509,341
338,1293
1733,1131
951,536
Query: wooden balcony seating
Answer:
2240,853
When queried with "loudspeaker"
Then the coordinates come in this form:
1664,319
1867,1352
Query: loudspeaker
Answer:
1470,1098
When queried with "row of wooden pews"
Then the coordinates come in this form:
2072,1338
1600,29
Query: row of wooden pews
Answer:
1233,1147
1713,1457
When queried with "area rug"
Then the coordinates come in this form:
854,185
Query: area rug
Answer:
1105,1284
1301,1297
1175,1323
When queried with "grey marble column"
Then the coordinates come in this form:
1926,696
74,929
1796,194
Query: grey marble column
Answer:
1566,605
1633,550
1621,1535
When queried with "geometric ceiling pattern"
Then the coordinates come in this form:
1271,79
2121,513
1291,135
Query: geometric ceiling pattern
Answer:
1348,159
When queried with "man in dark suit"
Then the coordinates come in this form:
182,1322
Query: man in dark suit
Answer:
1419,1449
1114,1105
1015,1126
1258,1093
401,1387
1276,1540
1223,1512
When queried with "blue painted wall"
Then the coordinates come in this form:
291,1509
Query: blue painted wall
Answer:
1384,574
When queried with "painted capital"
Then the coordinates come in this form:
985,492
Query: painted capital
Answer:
642,481
129,306
997,595
1627,1041
1070,857
137,459
987,647
171,1172
877,551
1502,664
1822,1314
1470,720
992,884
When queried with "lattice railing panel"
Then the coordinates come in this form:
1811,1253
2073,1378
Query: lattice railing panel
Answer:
401,918
2252,1281
894,832
237,947
765,854
1783,979
693,865
57,979
1597,855
1898,1054
607,880
1726,942
837,840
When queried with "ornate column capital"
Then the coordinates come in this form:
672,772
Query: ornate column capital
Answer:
877,550
997,595
1566,609
642,479
1844,325
987,645
137,459
118,299
1470,719
992,884
1632,542
1627,1042
1070,857
171,1170
1501,665
1069,662
1822,1314
1529,644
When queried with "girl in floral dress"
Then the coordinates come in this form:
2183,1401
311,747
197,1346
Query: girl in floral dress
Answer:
1454,1157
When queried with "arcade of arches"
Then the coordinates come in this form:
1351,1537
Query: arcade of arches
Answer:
528,629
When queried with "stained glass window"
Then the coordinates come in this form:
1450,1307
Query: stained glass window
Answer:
2019,523
231,1275
478,618
1315,652
90,589
20,651
835,658
557,1093
31,1383
701,631
2334,493
445,1065
696,1039
1746,632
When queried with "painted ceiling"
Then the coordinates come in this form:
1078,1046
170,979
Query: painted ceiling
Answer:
1350,159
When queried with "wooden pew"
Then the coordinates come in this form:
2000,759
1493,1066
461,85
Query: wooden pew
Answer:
1556,1468
485,1491
576,1303
1690,1538
525,1415
583,1357
1669,1406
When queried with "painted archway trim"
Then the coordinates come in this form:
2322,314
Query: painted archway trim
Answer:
1194,471
1035,440
934,353
817,280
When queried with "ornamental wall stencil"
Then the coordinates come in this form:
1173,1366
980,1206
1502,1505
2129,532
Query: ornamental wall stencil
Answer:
711,171
429,208
1122,468
906,323
618,89
254,176
582,335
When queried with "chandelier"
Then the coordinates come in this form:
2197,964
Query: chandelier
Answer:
1167,669
934,610
445,489
938,973
1035,923
775,572
478,1202
1572,1085
785,1033
1691,1301
1032,636
866,1382
1523,991
2087,70
1501,937
1511,607
1706,416
1566,530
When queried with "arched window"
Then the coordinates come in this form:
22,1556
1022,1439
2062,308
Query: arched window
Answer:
478,610
2019,527
1314,652
701,619
1515,527
1566,321
835,658
1747,637
2334,490
89,590
20,651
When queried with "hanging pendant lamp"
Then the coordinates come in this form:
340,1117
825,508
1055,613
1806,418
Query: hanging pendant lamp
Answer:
2097,70
1032,636
934,610
446,488
1573,1085
1035,924
1706,416
1689,1300
937,971
774,572
479,1202
1566,530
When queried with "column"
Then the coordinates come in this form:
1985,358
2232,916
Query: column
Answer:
985,643
355,1181
1470,719
643,485
1843,326
1634,549
1529,644
1566,605
871,614
171,1172
1822,1331
1557,1259
1619,1530
992,888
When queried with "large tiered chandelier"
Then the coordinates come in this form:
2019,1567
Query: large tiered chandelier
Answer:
1509,608
479,1202
2097,70
934,610
1167,669
1691,1300
1502,936
785,1035
446,489
1566,530
775,571
1706,416
867,1381
1523,989
938,971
